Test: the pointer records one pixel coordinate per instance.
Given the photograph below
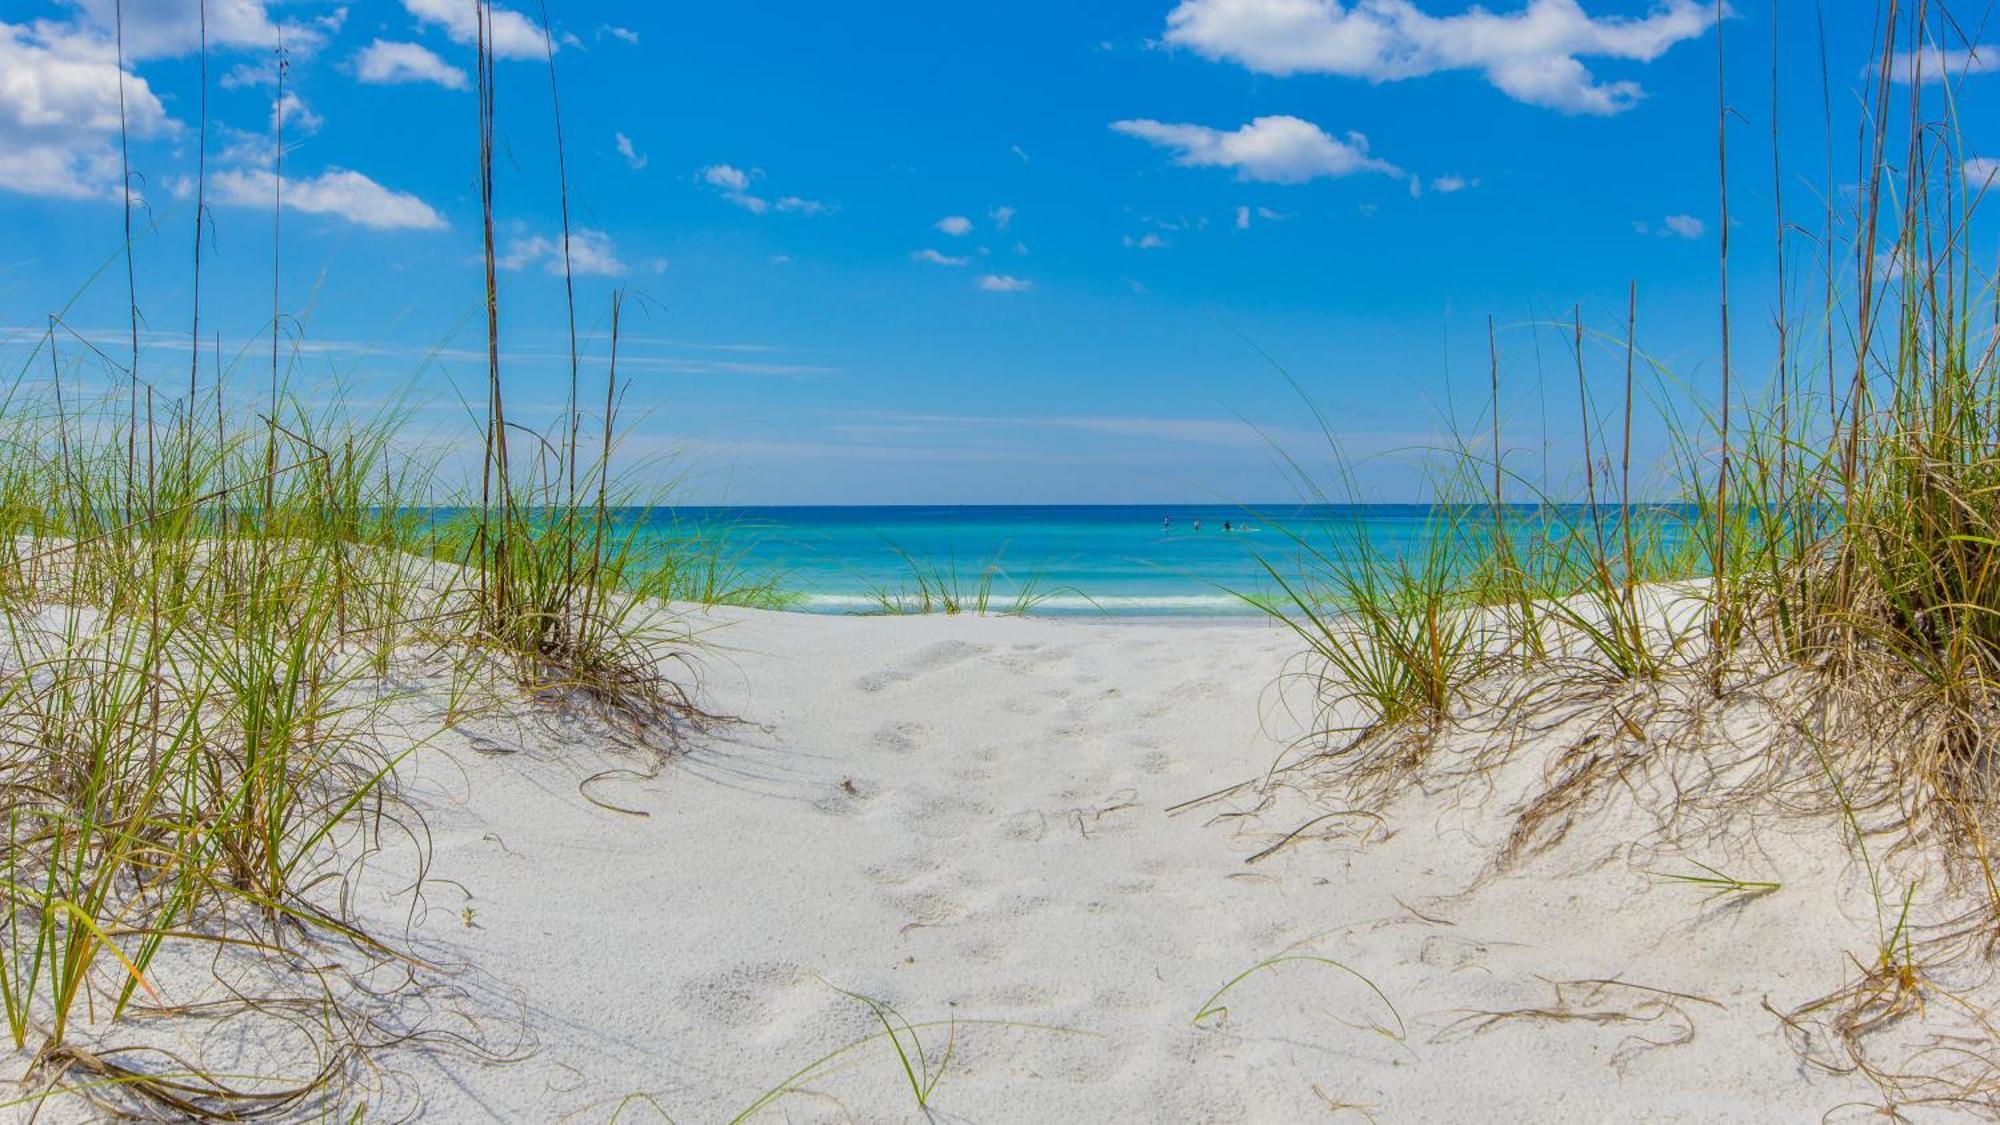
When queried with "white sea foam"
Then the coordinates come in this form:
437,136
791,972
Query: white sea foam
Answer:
1061,603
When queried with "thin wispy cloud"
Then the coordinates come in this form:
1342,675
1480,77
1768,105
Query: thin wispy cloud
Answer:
1004,283
1685,226
937,259
1533,54
954,428
633,159
295,115
1673,226
1941,64
639,352
245,76
1245,211
1279,149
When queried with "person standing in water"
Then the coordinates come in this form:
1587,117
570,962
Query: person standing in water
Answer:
1167,524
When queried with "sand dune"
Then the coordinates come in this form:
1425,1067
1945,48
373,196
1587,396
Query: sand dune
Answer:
968,820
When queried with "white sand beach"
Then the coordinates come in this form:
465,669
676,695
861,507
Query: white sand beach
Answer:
969,820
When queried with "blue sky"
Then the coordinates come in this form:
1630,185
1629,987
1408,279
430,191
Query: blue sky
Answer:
943,253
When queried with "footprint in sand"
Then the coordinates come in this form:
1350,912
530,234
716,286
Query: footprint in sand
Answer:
897,872
878,681
930,658
1031,826
1024,658
931,817
1452,954
925,909
944,654
906,738
744,996
1033,704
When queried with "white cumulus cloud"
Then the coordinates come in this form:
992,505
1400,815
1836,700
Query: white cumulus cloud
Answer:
590,252
1533,54
166,28
1279,149
726,176
383,63
734,184
1982,172
338,192
512,35
59,113
954,225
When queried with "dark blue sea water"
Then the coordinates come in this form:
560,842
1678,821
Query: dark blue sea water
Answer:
1124,560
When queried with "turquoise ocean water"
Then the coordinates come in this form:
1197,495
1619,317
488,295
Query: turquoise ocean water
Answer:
1120,560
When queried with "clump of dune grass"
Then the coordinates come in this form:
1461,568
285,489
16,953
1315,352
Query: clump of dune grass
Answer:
205,598
707,565
940,586
187,744
1820,554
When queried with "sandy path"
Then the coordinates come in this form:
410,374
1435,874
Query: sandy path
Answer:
967,819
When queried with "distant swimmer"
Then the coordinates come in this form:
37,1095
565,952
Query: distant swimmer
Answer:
1197,525
1225,525
1167,523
